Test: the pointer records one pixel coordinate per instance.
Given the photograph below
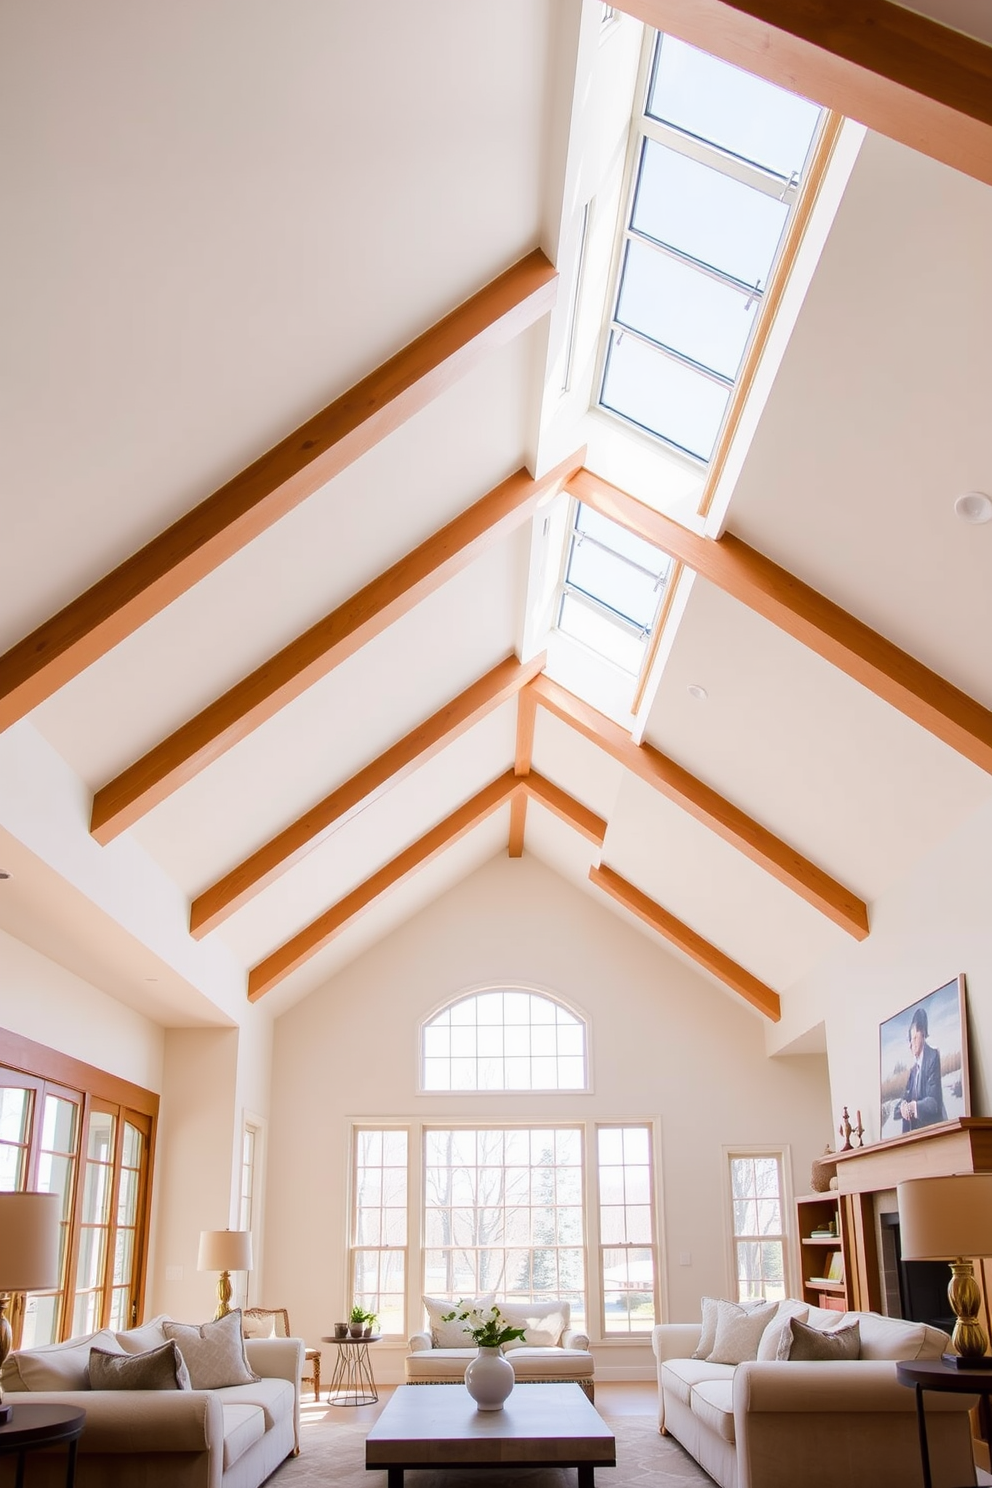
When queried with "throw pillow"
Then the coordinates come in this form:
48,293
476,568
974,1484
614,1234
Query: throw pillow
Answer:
451,1335
810,1344
214,1352
57,1366
160,1369
710,1307
543,1323
738,1332
771,1338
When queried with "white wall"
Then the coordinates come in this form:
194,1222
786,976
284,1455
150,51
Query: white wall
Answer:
666,1043
924,931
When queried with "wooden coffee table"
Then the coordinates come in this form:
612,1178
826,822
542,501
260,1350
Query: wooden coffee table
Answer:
438,1426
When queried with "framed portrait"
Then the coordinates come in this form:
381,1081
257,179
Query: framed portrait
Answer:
923,1063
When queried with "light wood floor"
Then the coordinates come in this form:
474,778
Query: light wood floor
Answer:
623,1398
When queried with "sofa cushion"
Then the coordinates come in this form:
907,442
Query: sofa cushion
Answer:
680,1376
543,1322
738,1333
160,1368
150,1335
452,1334
778,1329
893,1338
273,1397
56,1366
528,1364
813,1345
243,1426
828,1318
712,1402
214,1352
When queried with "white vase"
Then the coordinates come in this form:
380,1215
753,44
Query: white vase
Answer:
489,1379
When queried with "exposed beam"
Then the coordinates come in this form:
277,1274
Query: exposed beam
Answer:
321,931
290,472
680,935
255,699
566,807
776,857
850,645
518,824
421,744
526,717
903,74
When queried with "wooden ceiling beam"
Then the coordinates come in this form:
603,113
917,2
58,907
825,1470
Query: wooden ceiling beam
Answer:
518,824
686,940
903,74
283,477
257,697
809,617
280,853
756,842
565,807
321,931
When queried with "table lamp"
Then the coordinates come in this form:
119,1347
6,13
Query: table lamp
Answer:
950,1219
29,1256
224,1251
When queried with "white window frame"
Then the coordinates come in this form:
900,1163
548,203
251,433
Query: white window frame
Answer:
415,1248
533,991
784,1156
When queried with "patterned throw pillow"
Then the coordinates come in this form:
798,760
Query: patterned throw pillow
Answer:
214,1352
160,1368
452,1335
810,1344
738,1332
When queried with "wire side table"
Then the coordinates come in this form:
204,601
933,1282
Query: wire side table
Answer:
352,1382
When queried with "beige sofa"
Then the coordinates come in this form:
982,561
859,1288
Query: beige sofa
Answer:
232,1437
780,1424
552,1352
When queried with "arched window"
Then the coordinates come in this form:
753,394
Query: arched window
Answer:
504,1039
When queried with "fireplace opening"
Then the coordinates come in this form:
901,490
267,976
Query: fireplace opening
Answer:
915,1290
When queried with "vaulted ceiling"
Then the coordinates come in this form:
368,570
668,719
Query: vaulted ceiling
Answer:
286,296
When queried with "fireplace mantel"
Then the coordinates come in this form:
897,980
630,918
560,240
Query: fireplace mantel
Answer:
962,1146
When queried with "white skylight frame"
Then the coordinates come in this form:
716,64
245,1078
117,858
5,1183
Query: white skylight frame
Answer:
654,139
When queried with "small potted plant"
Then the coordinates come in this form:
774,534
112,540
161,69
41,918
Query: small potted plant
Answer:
356,1322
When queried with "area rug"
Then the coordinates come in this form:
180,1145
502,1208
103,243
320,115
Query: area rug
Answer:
333,1455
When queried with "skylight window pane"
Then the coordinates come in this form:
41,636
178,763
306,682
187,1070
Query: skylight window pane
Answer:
704,318
629,591
707,215
664,396
602,635
628,544
741,114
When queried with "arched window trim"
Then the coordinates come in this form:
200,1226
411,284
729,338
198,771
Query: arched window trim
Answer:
530,989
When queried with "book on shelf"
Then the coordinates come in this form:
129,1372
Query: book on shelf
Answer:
823,1234
835,1266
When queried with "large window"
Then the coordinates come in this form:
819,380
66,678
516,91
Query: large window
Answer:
759,1229
503,1209
68,1129
504,1039
719,158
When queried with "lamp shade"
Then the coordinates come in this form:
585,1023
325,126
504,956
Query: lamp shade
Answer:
29,1241
224,1250
943,1218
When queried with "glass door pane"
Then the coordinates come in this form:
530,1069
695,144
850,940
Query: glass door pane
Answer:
16,1109
94,1229
126,1247
57,1160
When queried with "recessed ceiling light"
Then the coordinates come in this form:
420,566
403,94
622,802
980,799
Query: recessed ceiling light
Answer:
974,507
696,691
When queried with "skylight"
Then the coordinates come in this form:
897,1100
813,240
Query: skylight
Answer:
611,589
719,159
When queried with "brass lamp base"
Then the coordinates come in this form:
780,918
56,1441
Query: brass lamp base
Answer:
224,1294
6,1342
968,1340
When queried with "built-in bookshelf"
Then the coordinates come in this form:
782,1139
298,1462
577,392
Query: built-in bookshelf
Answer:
823,1257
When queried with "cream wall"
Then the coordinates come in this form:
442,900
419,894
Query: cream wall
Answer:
924,931
666,1044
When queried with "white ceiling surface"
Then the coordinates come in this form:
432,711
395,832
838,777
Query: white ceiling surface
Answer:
294,199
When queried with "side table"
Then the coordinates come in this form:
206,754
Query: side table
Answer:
32,1427
352,1382
934,1374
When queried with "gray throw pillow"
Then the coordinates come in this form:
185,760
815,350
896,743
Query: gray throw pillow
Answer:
214,1352
160,1368
810,1344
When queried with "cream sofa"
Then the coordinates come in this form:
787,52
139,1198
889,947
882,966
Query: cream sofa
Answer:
552,1352
232,1437
780,1424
